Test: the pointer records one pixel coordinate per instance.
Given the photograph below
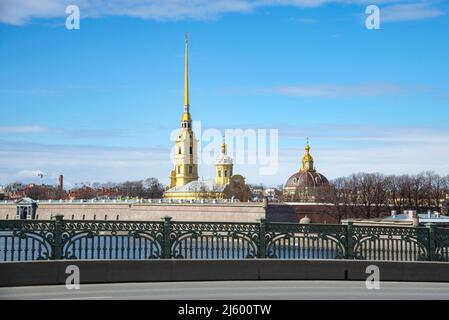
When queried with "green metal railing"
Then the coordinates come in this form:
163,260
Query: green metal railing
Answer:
22,240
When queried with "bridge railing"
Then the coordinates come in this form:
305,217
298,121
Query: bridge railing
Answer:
22,240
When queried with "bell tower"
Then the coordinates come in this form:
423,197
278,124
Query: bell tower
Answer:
186,159
223,167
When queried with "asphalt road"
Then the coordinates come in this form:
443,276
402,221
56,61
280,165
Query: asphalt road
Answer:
235,290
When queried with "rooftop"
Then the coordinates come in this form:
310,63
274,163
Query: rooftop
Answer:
423,218
198,186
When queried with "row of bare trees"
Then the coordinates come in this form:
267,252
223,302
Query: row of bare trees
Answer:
148,188
370,195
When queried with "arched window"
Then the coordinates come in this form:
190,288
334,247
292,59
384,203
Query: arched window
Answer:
226,173
179,150
191,150
219,173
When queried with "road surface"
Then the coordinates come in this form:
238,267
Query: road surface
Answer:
235,290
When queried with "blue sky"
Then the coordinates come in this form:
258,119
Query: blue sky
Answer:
99,103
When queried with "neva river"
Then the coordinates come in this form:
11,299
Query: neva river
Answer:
14,248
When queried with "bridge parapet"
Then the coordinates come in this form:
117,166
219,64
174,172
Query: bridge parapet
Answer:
24,240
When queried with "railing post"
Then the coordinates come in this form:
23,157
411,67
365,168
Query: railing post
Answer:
432,244
57,248
166,254
350,244
262,231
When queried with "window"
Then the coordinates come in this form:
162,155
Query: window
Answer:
219,173
84,216
106,217
226,173
118,217
73,217
28,212
179,169
95,217
7,216
190,169
191,150
179,150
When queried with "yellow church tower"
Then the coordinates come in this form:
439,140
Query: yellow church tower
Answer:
223,167
186,159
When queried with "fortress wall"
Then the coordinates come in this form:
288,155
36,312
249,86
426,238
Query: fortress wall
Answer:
7,211
236,212
228,212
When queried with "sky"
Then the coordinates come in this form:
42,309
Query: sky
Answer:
99,103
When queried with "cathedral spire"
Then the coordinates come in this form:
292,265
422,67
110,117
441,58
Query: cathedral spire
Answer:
186,118
186,74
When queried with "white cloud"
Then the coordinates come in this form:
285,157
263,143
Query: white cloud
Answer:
406,12
19,12
23,129
369,134
81,163
342,150
337,91
338,151
33,174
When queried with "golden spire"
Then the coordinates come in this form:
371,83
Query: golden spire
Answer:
223,146
307,148
186,74
186,118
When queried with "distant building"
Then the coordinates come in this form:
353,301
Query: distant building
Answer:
271,194
257,192
2,193
61,184
26,209
306,184
409,218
